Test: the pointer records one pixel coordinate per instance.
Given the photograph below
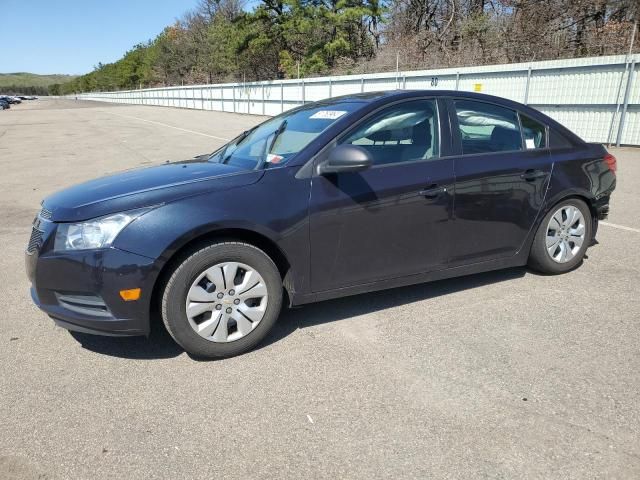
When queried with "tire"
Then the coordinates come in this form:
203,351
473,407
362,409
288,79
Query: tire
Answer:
199,282
549,258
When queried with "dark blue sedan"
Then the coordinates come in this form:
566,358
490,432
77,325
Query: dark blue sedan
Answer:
333,198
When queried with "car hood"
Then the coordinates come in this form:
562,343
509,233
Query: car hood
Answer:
144,187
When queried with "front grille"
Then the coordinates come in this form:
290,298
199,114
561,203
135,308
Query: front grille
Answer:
46,214
35,242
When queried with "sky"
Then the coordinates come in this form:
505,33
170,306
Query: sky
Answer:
72,36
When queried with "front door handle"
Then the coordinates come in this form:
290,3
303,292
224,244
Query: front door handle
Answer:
432,191
531,175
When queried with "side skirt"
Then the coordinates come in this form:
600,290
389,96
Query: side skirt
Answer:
515,261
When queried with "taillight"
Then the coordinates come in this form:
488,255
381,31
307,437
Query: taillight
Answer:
611,161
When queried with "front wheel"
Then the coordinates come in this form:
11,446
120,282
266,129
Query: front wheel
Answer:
562,237
222,299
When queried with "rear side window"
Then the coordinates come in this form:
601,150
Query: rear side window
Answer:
533,132
486,128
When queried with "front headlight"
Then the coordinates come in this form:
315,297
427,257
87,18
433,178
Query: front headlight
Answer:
97,233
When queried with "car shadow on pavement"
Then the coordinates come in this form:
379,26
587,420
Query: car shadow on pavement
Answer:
160,345
357,305
157,345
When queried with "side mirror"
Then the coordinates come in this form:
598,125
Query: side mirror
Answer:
346,158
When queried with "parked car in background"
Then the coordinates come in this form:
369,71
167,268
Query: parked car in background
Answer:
4,105
10,99
333,198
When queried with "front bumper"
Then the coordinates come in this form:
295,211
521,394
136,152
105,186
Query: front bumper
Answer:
80,290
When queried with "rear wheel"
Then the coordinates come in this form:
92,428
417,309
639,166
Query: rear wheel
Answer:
562,237
222,299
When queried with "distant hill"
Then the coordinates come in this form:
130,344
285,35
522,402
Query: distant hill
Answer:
23,79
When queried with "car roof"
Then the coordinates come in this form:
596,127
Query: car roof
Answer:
385,96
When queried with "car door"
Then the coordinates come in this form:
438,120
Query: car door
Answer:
392,219
502,172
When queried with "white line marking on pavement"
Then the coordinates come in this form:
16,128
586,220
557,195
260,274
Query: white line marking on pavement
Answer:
620,227
166,125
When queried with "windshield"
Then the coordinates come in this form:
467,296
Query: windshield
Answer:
277,140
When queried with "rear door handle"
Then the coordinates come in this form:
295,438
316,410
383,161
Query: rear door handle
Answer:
531,175
432,191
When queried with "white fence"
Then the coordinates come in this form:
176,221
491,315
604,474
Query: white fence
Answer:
598,97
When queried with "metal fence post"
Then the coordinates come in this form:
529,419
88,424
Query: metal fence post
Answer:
281,96
330,93
263,100
627,93
303,99
457,81
526,88
233,87
617,110
362,85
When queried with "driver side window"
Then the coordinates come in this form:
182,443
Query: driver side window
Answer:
402,133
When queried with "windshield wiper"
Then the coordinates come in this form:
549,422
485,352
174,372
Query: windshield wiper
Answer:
243,135
276,134
269,147
236,141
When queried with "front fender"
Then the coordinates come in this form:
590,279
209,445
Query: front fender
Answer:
165,230
275,208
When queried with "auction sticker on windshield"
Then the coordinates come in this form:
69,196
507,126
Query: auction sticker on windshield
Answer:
328,114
